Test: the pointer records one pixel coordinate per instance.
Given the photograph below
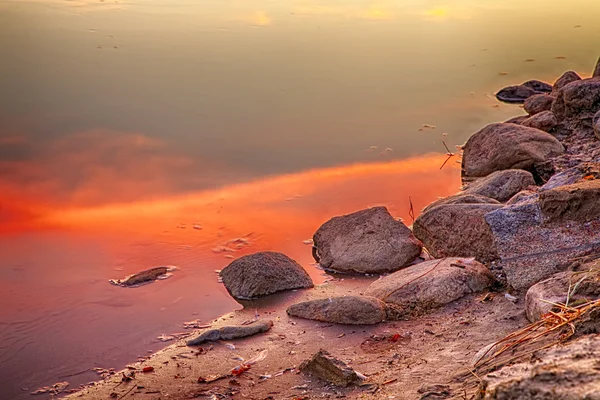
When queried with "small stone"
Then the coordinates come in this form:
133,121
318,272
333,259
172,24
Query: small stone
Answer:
330,369
231,332
501,185
565,79
544,121
352,310
538,103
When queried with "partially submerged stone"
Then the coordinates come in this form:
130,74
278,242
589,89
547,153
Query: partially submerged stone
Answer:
231,332
503,146
462,198
457,230
330,369
538,103
515,94
146,276
263,273
566,372
430,284
351,310
365,242
538,86
544,121
501,185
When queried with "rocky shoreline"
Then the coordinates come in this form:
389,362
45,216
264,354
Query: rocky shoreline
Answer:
491,294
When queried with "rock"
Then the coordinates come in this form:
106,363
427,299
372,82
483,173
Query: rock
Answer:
565,79
231,332
457,230
521,196
596,72
507,146
515,94
430,284
330,369
538,103
263,273
579,201
501,185
148,275
531,249
566,372
517,120
351,310
544,121
365,242
573,175
596,124
577,100
461,198
538,86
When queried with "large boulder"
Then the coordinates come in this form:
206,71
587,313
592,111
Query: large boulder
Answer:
579,201
538,103
457,230
502,146
430,284
351,310
544,121
365,242
532,245
461,198
501,185
565,79
263,273
566,372
578,100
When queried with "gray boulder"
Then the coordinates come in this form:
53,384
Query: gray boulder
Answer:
544,121
263,273
503,146
430,284
577,100
538,103
365,242
457,230
501,185
565,79
566,372
462,198
351,310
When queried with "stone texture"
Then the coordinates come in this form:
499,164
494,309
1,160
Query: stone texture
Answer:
579,201
364,242
565,372
596,124
501,185
503,146
553,289
263,273
351,310
531,249
577,100
544,121
430,284
538,103
457,230
582,171
538,86
231,332
330,369
565,79
461,198
515,94
517,120
521,196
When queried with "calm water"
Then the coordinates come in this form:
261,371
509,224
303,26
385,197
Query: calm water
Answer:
127,125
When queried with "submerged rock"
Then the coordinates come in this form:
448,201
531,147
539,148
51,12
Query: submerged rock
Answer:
462,198
567,372
351,310
365,242
565,79
231,332
457,230
330,369
263,273
544,121
538,103
501,185
503,146
430,284
577,100
148,275
538,86
515,94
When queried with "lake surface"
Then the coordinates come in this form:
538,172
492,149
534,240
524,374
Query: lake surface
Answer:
135,134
